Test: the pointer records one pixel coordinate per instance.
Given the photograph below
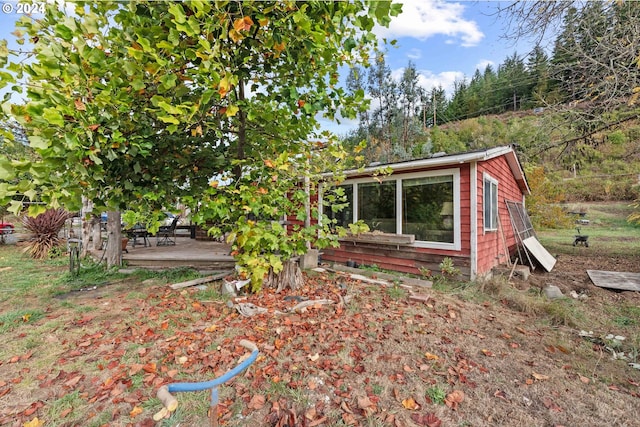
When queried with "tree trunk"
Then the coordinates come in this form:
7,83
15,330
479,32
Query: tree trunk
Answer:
289,278
114,239
88,226
96,233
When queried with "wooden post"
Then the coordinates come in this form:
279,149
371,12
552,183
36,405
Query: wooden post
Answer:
114,239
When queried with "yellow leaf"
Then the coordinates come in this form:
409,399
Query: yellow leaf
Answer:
279,47
232,110
223,87
243,24
235,36
211,328
410,404
430,356
26,317
137,410
263,22
33,423
214,184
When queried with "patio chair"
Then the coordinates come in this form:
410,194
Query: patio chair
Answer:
166,235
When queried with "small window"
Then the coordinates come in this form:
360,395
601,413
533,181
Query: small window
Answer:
490,204
338,205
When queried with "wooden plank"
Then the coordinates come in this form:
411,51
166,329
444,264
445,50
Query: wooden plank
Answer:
382,238
615,280
539,252
200,280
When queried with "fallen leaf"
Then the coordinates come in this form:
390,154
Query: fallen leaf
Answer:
345,407
500,395
428,420
487,353
314,357
551,405
257,402
33,423
137,410
150,368
454,398
431,356
540,377
410,404
364,402
73,381
162,413
584,379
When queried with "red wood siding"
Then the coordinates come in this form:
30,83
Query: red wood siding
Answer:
491,244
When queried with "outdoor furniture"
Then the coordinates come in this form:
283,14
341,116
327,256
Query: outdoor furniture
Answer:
139,232
166,235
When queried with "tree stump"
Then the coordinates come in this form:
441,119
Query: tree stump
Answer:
289,278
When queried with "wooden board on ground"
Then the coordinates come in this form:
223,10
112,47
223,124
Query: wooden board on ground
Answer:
615,280
200,280
546,260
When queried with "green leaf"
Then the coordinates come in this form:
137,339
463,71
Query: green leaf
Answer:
7,171
169,108
53,117
38,142
15,207
169,119
178,13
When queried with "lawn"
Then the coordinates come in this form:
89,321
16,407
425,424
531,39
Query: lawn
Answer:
609,232
93,350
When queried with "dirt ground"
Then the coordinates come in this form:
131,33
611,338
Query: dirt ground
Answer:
377,356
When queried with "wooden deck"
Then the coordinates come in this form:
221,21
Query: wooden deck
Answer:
202,255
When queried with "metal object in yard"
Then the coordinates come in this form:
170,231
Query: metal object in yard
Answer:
581,239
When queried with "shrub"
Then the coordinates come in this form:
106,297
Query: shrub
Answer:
44,230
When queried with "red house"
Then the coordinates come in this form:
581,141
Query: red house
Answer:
448,206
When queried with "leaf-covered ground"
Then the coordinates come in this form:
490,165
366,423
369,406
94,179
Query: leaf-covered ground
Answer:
390,356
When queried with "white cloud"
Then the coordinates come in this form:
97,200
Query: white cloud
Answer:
414,54
483,64
422,19
428,80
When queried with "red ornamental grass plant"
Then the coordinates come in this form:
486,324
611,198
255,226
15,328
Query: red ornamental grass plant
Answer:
44,230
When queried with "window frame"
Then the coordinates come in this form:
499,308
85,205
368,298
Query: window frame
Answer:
491,201
398,178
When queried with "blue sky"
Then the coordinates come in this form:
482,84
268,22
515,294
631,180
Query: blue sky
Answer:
446,40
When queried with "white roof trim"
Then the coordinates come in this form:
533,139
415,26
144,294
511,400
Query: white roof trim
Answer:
470,157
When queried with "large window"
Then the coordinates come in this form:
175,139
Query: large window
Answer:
428,208
377,205
425,204
490,201
338,205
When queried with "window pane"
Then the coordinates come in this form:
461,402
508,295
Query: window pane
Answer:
494,205
428,208
377,205
342,196
487,204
